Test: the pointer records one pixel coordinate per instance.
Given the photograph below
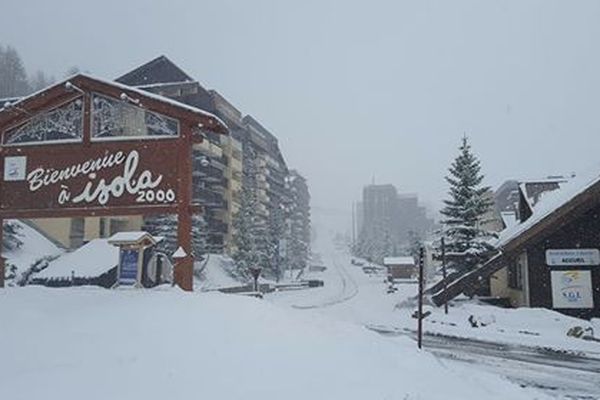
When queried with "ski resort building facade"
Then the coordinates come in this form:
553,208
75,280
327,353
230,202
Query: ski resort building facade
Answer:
98,157
218,162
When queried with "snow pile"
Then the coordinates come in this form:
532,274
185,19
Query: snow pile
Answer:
89,261
166,344
216,272
35,247
537,327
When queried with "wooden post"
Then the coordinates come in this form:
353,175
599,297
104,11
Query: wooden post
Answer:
184,271
420,311
445,282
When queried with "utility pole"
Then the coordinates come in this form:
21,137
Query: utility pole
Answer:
420,310
445,282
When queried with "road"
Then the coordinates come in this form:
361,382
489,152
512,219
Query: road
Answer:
351,295
561,374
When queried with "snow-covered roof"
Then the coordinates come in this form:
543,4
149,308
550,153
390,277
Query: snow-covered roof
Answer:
132,237
89,261
139,91
398,261
509,218
179,253
551,202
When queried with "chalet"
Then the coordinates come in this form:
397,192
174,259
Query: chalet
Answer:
550,257
400,267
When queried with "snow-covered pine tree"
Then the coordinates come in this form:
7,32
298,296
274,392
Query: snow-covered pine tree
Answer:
277,232
165,225
11,233
414,244
250,227
467,243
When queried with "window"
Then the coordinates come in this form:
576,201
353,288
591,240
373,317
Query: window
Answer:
112,118
516,272
64,123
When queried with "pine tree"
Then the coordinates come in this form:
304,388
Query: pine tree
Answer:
467,244
11,233
165,226
13,77
251,233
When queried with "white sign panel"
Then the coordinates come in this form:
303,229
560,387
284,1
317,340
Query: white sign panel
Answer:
572,289
15,168
577,257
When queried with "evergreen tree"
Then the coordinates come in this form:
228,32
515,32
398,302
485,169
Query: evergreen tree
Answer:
250,239
13,77
40,81
277,234
467,244
414,244
165,226
11,232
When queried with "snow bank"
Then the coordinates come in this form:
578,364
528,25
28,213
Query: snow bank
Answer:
35,247
216,273
167,344
89,261
537,327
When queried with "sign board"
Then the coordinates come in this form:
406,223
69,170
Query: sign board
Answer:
572,289
15,168
97,176
128,266
574,257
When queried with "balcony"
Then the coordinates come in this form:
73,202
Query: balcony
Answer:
208,198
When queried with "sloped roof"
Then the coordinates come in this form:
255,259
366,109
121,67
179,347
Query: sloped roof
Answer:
159,70
42,97
555,204
89,261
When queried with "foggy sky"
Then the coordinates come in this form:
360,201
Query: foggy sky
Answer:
357,91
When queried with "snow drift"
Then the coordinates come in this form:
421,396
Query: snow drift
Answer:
167,344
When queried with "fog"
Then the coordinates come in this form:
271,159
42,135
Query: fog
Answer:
359,92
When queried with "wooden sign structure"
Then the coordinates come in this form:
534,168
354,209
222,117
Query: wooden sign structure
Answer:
88,147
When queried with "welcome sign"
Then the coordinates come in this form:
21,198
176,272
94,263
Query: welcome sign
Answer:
93,177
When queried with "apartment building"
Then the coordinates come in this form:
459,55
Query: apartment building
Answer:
211,166
220,161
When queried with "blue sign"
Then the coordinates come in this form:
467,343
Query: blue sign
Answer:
128,268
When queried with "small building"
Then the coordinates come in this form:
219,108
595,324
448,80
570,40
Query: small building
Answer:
400,267
551,257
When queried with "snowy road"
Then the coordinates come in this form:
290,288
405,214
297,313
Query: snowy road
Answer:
352,296
562,374
347,288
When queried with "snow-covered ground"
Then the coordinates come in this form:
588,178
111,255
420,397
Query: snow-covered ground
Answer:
346,340
154,344
215,272
354,297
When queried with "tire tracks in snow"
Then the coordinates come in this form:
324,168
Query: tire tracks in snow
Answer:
349,289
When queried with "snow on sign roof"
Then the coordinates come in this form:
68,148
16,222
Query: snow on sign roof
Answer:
398,261
89,261
551,202
220,124
131,237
